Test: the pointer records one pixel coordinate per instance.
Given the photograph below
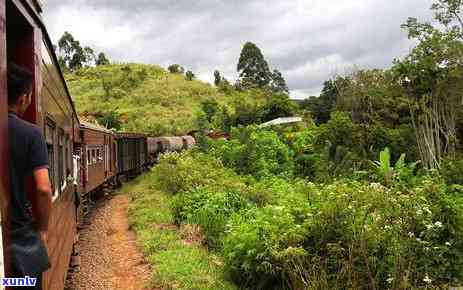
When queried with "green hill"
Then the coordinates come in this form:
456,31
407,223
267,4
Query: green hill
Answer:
143,98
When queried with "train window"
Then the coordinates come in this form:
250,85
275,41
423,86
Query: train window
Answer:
50,140
93,156
61,160
67,156
89,159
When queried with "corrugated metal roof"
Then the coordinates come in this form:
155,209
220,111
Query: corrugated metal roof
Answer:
95,127
279,121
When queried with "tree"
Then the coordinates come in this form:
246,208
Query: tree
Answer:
102,59
252,67
217,78
278,83
432,77
176,69
72,55
90,58
279,105
189,76
210,107
321,107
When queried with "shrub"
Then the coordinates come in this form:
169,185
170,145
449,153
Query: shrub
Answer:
452,170
256,152
351,236
180,172
209,209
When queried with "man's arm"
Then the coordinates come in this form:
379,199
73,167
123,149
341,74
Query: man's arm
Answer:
43,198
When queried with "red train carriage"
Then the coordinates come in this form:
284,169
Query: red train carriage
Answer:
25,39
98,159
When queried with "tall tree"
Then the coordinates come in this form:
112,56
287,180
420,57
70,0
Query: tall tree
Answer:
252,67
278,83
72,54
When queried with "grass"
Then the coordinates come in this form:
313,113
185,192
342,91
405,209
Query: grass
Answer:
146,98
177,264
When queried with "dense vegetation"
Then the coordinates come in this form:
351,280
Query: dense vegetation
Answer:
365,193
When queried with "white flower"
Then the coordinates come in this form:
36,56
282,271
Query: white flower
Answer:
427,279
389,280
448,244
387,227
438,224
411,235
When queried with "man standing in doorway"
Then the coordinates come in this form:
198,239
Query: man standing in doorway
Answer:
28,160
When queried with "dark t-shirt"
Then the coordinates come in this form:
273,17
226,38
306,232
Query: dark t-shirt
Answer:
28,152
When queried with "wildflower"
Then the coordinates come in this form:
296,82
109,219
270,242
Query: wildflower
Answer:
411,235
448,244
438,224
389,280
427,279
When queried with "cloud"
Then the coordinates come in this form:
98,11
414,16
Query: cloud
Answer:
309,41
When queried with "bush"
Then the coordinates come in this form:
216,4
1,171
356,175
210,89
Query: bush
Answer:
254,151
351,235
452,170
209,209
181,172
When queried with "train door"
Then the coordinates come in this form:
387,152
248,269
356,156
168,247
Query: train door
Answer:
17,38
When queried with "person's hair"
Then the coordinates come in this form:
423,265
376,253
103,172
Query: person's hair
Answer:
19,82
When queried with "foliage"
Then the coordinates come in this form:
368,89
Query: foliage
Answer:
182,172
189,75
278,105
322,106
350,236
401,171
102,59
278,83
252,67
452,170
164,245
210,209
72,56
144,97
176,69
255,151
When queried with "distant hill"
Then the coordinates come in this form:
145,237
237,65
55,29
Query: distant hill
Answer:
144,98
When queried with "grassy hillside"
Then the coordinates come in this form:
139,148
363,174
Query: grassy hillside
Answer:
143,98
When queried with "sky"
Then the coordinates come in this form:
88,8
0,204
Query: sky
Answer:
309,41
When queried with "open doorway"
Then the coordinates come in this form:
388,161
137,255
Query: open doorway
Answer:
20,48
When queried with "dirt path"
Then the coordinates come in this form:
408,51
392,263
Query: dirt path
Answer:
110,259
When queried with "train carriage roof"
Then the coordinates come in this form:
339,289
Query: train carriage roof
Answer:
35,8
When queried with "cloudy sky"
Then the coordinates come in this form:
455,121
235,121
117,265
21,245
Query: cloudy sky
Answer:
309,41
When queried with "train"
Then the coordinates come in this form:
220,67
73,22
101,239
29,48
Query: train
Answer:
83,158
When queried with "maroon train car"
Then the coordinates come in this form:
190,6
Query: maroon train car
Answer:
25,40
98,159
